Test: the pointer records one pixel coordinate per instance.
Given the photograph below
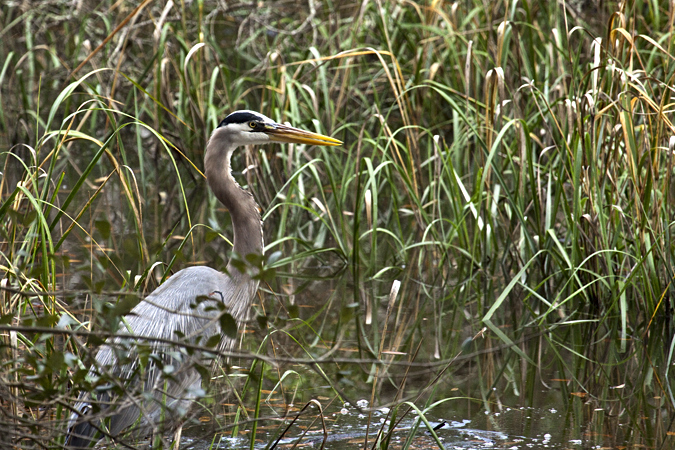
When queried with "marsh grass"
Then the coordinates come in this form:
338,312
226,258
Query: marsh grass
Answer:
508,163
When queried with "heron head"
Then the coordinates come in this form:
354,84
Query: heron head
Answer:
249,127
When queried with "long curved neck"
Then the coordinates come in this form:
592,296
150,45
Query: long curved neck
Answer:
248,237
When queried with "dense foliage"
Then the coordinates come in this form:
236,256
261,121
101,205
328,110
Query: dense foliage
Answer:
508,163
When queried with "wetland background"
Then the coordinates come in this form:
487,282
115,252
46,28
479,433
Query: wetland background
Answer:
505,177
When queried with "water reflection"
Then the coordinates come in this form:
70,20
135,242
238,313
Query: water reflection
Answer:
351,427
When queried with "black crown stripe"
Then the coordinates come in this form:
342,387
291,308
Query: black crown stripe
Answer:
239,117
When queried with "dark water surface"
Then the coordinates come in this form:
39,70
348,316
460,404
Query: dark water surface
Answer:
521,428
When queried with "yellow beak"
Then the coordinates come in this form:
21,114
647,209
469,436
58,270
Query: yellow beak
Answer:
284,133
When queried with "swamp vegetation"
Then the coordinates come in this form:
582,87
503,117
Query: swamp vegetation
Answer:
495,231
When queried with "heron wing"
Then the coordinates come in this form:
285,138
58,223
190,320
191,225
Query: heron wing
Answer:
150,381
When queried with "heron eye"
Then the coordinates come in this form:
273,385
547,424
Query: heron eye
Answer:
252,124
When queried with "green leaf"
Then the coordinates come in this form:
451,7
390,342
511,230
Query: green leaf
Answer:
274,257
213,341
228,325
262,322
55,362
124,305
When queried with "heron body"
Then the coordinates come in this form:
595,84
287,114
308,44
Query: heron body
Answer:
154,393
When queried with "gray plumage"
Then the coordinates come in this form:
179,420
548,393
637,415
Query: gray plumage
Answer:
154,394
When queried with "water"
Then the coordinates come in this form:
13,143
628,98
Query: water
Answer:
348,427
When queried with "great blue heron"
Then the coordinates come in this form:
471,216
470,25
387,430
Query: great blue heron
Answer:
150,398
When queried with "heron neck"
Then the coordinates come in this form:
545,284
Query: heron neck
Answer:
246,220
